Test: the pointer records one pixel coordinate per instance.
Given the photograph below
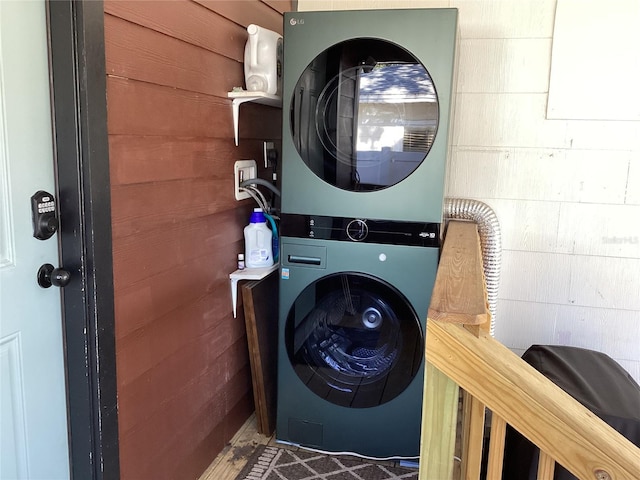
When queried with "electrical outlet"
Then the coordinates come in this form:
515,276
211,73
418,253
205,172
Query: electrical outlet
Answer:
243,170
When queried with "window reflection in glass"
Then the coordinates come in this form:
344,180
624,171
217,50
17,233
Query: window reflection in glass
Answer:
364,115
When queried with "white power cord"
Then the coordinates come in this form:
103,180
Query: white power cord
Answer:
415,459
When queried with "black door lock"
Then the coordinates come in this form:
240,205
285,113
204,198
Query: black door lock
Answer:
43,215
47,276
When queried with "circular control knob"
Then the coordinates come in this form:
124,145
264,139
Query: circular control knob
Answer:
357,230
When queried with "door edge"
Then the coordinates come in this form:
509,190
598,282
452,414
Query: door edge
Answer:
81,158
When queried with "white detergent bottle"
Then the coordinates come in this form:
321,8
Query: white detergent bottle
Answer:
257,241
262,60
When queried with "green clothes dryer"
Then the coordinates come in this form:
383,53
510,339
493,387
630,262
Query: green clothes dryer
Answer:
367,101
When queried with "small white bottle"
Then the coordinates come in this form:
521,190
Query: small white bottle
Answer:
257,241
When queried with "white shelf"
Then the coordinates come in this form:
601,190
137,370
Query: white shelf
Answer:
241,96
247,274
258,97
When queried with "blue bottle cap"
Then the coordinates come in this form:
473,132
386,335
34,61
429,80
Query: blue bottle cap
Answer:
257,216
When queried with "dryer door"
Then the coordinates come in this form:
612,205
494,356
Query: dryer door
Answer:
364,114
354,340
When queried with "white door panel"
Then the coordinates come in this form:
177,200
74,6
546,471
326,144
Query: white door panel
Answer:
33,435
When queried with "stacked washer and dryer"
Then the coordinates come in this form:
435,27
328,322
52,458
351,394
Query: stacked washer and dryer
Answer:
366,113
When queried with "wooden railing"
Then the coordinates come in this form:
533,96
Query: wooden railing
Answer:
461,354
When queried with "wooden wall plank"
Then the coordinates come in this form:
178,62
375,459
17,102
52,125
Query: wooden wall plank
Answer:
184,384
168,202
211,366
140,159
156,438
170,434
146,256
199,457
176,246
146,347
235,404
246,12
138,53
158,385
187,21
140,304
138,108
180,422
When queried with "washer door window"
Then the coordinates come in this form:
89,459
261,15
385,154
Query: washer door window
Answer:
364,114
354,340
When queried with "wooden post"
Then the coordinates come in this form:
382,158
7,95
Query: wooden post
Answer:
458,296
439,419
472,437
496,446
546,466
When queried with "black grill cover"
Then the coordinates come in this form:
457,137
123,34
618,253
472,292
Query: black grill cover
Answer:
593,379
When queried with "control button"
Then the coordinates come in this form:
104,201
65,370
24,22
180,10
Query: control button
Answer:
357,230
382,257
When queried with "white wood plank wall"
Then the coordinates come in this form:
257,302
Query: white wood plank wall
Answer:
567,192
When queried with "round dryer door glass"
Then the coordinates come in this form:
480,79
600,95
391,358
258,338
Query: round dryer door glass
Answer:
354,340
364,114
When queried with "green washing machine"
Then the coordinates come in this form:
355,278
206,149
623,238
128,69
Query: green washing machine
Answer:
351,334
367,99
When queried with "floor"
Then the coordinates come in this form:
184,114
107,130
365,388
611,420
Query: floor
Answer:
235,455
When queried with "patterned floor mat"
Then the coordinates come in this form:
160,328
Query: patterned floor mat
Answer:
273,463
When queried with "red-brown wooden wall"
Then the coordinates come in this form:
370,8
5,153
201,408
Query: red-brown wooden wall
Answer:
184,384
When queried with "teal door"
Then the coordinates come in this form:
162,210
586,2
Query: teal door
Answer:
33,435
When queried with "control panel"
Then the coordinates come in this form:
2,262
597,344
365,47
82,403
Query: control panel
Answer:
360,230
43,215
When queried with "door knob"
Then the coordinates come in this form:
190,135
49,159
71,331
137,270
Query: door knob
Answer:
47,276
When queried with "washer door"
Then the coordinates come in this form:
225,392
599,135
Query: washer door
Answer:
354,340
364,114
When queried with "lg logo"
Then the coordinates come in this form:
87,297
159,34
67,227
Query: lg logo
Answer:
296,21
